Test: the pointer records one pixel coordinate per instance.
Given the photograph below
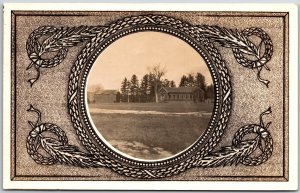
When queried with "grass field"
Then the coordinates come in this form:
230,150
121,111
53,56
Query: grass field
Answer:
151,136
162,107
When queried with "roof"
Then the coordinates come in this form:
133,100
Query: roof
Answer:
107,92
179,89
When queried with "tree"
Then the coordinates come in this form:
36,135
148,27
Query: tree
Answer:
165,83
134,86
128,91
144,87
210,92
95,88
183,81
172,84
92,89
200,81
151,88
190,80
158,72
138,94
125,87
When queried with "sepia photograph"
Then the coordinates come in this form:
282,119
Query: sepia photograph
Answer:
150,95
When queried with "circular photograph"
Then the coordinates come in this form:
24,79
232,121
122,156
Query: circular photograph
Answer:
150,96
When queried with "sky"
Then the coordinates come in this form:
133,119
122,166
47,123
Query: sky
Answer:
135,53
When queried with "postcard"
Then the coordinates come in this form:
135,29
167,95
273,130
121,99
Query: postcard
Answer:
150,96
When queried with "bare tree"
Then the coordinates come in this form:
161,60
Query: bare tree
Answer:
95,88
158,72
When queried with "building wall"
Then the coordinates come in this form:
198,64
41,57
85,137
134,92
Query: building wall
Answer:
179,97
176,97
100,98
197,96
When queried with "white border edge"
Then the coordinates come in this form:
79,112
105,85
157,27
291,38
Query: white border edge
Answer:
292,184
255,7
6,98
293,97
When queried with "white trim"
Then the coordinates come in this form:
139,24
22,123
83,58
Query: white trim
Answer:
255,7
293,98
6,99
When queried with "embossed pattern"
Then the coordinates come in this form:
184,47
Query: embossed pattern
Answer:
201,154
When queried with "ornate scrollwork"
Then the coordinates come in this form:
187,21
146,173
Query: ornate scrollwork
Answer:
58,41
241,150
61,38
201,37
241,45
58,148
61,152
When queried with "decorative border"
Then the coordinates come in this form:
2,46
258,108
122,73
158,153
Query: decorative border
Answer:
197,45
62,152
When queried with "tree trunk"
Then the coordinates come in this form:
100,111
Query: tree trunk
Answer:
156,92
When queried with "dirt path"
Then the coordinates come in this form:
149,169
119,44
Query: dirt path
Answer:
112,111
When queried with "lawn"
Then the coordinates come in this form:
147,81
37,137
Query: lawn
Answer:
151,136
162,107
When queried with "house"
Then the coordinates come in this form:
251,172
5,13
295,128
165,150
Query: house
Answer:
181,94
107,96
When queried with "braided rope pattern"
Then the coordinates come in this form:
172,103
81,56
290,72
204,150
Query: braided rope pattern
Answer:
239,152
263,135
34,48
97,36
225,104
83,33
33,142
59,40
262,60
60,151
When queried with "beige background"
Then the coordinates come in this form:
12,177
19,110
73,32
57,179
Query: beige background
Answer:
49,94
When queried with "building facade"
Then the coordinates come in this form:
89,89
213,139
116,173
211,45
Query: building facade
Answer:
106,96
193,94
